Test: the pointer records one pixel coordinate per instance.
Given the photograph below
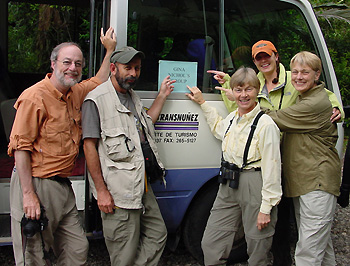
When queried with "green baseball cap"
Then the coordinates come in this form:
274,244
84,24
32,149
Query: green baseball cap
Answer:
125,54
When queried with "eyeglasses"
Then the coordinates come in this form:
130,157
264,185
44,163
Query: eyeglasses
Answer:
68,63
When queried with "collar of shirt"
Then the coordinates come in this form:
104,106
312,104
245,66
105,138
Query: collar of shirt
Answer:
235,140
320,86
247,117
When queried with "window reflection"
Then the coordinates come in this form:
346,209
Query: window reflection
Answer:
185,31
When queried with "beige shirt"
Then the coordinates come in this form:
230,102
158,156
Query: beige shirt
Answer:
48,125
265,147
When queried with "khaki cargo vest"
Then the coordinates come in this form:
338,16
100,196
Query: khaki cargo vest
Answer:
119,147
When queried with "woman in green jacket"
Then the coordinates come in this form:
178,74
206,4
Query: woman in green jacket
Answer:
276,89
276,92
310,161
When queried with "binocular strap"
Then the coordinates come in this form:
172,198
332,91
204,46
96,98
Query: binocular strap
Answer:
249,140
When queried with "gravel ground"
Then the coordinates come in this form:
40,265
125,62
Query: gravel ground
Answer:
98,255
340,237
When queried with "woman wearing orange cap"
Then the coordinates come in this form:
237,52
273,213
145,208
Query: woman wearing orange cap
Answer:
276,89
276,92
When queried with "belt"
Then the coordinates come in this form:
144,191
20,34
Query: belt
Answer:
252,169
61,180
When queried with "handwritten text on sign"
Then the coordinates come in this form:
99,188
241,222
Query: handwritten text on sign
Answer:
185,73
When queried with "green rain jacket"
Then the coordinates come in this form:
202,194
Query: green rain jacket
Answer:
274,99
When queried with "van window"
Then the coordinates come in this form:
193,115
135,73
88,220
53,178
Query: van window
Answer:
174,30
249,21
191,31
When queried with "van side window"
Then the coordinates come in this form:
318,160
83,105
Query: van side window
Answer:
214,36
176,31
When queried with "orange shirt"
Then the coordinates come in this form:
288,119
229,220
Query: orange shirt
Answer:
48,124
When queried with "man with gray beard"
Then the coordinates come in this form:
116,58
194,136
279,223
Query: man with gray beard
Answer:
45,142
119,147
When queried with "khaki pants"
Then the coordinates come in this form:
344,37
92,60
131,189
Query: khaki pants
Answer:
135,237
64,233
231,209
314,214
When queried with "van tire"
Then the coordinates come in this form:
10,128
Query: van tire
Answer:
196,221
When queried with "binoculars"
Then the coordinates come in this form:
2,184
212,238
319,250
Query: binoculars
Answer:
229,172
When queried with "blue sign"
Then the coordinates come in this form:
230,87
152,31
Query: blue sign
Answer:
185,73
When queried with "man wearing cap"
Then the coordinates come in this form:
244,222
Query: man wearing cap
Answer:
115,127
45,140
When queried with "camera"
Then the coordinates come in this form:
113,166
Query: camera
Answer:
31,227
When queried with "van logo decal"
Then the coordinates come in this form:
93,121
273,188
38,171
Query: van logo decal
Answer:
184,121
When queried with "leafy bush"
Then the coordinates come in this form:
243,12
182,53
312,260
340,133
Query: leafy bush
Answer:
335,24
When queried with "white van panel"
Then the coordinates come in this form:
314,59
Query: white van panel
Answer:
183,137
79,191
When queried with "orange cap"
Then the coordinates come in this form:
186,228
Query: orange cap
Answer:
263,46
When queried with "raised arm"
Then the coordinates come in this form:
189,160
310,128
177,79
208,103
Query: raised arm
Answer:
109,41
214,119
218,75
165,89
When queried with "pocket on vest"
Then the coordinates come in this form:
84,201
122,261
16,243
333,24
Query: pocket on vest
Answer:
119,146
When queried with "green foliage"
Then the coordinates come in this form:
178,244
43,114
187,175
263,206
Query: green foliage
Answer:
334,20
21,43
35,29
342,68
133,28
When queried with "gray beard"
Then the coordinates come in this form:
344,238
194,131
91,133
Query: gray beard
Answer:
65,83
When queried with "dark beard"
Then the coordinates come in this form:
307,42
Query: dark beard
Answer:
124,84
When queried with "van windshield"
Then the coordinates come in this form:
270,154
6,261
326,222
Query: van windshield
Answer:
213,35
